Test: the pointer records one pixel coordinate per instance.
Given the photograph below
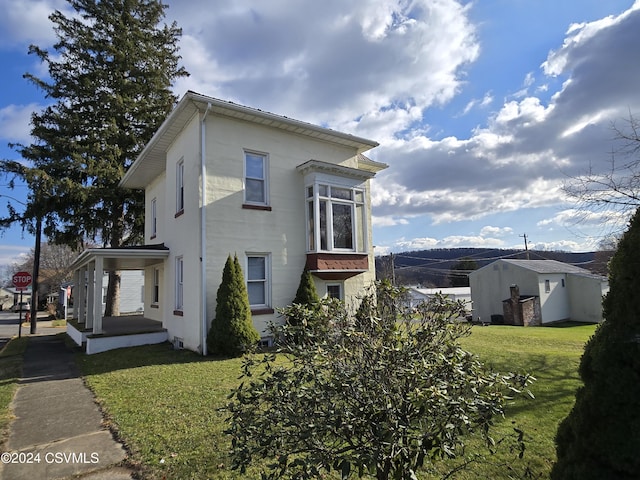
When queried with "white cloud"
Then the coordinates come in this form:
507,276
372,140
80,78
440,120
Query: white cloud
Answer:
495,231
27,22
357,60
10,254
572,217
531,146
452,241
15,122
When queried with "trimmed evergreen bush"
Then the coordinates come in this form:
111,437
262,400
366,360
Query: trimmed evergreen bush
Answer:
232,330
600,438
306,296
306,293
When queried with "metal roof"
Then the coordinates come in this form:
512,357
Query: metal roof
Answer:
546,266
151,161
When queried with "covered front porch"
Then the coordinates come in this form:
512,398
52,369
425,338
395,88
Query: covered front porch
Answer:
117,332
89,328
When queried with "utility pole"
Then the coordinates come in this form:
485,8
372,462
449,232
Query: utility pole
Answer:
526,247
393,270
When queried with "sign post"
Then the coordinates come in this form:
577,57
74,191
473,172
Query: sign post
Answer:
21,281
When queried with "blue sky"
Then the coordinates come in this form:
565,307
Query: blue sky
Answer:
482,109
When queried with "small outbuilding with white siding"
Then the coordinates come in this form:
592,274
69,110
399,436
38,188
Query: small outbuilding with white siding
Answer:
536,292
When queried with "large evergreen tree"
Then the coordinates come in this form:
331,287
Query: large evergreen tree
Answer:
600,438
109,79
232,330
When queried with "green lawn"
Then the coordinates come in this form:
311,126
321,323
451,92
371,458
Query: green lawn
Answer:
165,404
11,359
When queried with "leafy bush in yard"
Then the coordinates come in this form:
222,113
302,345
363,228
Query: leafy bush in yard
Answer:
380,396
301,311
232,330
600,438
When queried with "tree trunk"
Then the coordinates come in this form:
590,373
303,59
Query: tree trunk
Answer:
112,307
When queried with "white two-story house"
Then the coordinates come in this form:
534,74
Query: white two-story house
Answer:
223,179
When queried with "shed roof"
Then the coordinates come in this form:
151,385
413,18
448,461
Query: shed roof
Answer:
546,266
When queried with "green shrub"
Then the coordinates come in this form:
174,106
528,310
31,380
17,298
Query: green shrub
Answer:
600,438
304,302
378,397
232,330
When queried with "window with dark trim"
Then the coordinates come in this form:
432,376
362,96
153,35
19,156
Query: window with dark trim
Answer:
156,286
258,282
154,218
179,303
180,187
256,186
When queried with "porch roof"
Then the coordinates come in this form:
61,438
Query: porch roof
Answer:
124,258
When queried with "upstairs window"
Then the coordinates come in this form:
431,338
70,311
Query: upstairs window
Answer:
180,187
154,218
335,218
256,191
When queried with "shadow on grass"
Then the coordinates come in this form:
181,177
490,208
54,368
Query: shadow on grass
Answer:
557,381
142,356
567,324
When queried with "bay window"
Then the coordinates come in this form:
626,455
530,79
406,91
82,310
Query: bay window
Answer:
335,218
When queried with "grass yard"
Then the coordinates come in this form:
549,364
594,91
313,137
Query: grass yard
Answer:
165,404
11,359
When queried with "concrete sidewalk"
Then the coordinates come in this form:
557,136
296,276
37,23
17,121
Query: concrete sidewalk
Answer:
57,432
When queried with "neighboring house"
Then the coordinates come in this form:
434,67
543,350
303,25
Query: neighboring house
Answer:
131,292
6,299
536,292
463,294
224,179
9,296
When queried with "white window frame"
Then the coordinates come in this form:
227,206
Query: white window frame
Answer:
324,241
180,186
179,300
265,177
341,290
154,217
265,281
155,294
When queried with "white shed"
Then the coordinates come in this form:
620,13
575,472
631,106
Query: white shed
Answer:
564,292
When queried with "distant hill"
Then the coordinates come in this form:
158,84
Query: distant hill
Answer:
433,268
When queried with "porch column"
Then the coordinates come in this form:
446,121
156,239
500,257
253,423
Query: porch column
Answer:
97,298
80,299
91,290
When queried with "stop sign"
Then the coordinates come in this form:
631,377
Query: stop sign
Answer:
21,280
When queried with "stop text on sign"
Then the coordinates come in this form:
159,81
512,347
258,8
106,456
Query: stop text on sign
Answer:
21,279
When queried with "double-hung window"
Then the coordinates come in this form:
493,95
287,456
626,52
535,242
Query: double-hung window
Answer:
154,218
256,185
179,284
156,286
180,187
258,280
336,218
